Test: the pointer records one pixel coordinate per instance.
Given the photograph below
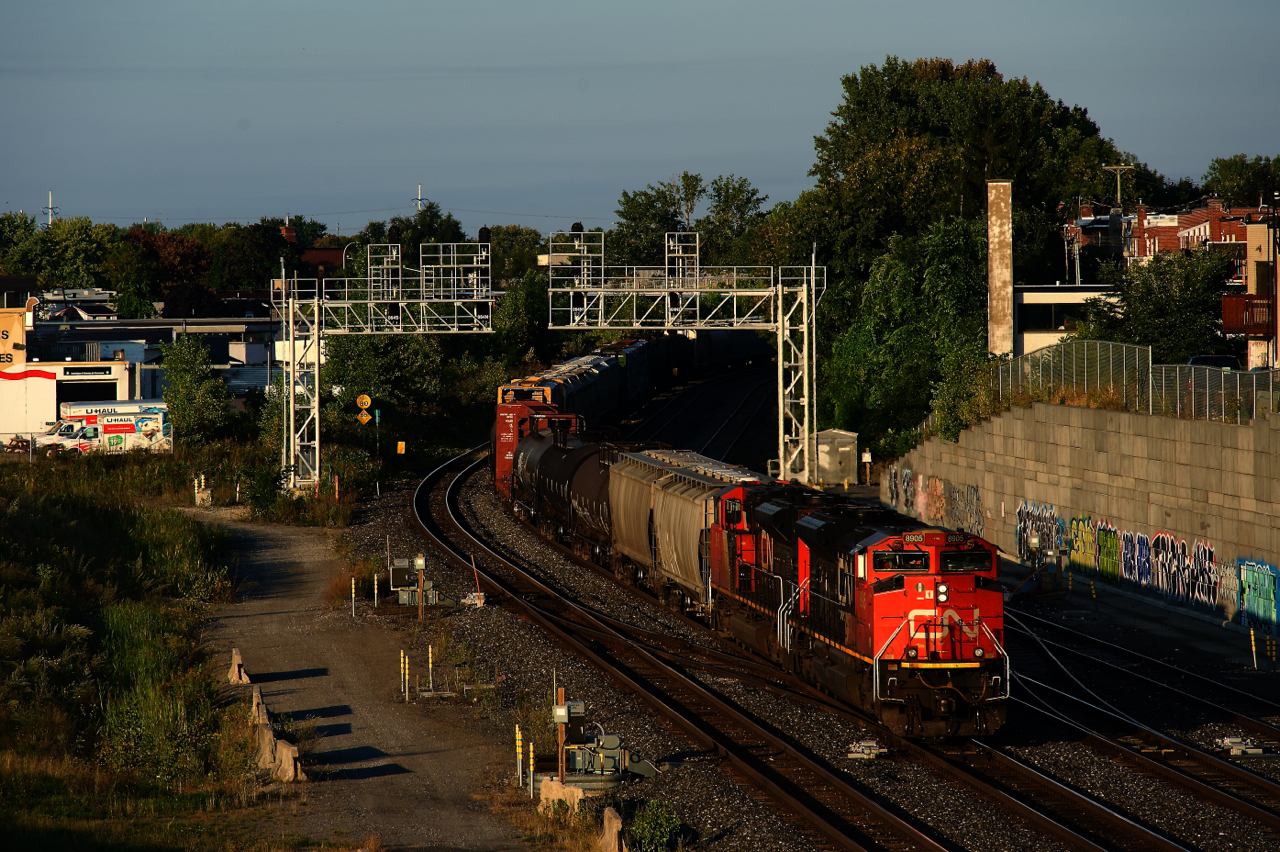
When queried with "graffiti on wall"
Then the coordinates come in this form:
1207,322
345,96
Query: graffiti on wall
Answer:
937,500
1187,572
1106,541
1043,520
1257,594
935,503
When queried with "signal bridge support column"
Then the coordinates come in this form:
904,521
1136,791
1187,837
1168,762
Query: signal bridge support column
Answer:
449,293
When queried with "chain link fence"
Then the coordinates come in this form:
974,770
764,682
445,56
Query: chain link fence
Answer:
1099,374
1211,393
1079,372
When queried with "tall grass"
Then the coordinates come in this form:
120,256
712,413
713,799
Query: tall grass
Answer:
101,597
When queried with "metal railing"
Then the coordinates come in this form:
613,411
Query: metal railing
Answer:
1100,374
1079,370
1211,393
1247,314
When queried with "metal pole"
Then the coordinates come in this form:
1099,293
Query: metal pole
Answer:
807,317
317,333
782,393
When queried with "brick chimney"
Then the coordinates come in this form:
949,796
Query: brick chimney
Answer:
289,234
1086,211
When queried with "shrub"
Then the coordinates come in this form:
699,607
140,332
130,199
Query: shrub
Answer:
655,827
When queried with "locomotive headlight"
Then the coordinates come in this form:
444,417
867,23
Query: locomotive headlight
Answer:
979,653
943,588
912,653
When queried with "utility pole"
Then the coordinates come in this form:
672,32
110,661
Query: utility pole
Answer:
49,211
1119,170
419,200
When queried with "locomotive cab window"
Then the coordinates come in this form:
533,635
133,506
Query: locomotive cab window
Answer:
733,512
966,560
894,561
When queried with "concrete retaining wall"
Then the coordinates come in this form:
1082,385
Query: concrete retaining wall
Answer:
1186,509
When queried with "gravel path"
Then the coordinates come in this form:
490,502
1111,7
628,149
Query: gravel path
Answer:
380,767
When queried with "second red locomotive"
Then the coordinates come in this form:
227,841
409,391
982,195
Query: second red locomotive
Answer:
901,620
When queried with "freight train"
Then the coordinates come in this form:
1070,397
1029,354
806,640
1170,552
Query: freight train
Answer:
899,619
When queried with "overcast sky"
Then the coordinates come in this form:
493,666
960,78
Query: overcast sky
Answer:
224,111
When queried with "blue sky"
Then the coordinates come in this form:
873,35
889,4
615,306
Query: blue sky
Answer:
226,111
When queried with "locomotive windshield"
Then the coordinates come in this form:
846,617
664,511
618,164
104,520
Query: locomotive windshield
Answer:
966,560
901,560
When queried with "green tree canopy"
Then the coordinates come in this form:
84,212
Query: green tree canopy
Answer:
1172,304
515,250
399,370
69,253
1243,182
921,320
197,400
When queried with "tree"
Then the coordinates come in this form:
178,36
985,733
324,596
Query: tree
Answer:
687,190
645,217
921,320
15,229
1243,182
913,141
197,400
733,214
69,253
1172,304
247,257
130,272
515,250
400,370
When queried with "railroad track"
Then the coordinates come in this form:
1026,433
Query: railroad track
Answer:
835,813
1129,742
1186,683
1057,811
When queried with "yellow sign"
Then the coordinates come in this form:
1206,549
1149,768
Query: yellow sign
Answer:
363,400
13,337
363,417
400,448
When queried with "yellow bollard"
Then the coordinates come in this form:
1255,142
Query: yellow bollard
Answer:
431,659
519,758
1093,592
402,671
353,596
531,769
1069,573
1253,646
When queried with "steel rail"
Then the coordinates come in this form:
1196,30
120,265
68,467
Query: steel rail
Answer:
1145,659
1256,725
734,414
701,730
1173,773
1022,802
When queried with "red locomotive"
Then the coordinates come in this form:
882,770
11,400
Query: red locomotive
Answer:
901,620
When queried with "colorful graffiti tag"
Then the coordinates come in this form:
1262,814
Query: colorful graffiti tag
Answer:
1257,594
937,500
1042,520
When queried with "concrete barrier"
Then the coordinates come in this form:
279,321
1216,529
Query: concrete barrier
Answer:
237,673
278,756
258,715
287,768
611,836
266,746
551,791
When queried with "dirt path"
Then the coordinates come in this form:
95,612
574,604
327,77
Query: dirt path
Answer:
385,768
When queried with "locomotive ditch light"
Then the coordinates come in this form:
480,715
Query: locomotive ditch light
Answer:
912,653
979,653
